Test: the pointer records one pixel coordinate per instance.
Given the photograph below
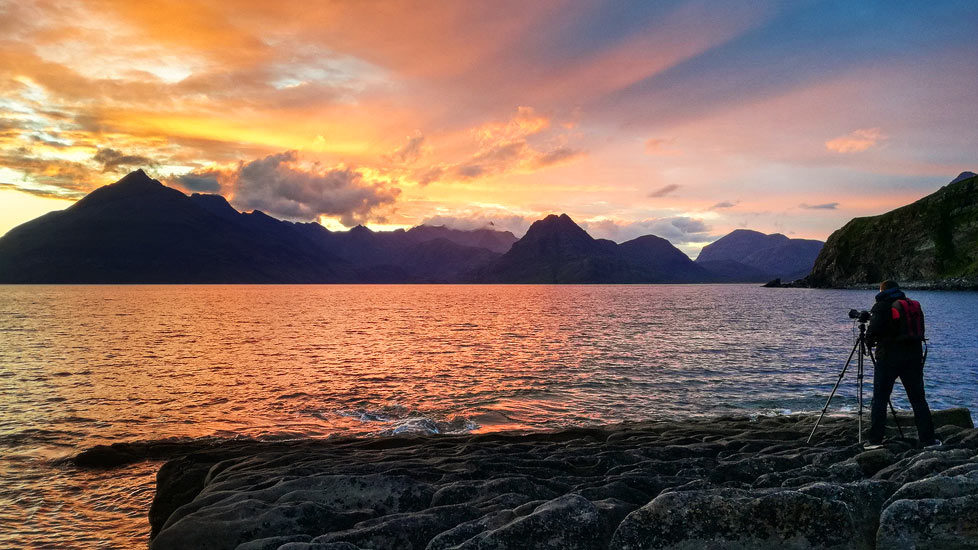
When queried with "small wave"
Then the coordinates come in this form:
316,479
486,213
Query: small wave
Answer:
424,425
403,421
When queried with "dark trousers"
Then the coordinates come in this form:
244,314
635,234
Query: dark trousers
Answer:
910,371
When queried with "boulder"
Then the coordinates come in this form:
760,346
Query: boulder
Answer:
732,518
931,523
959,416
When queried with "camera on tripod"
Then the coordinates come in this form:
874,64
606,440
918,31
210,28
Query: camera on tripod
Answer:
861,316
860,349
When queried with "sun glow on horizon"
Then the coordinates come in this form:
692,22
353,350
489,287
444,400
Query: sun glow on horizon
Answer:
687,119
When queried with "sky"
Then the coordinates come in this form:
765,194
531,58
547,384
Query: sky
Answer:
682,119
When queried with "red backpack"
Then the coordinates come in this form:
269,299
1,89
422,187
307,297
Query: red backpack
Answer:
909,319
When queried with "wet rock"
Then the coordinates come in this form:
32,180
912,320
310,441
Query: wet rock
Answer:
749,469
409,531
457,535
864,499
272,543
319,546
314,505
726,482
875,460
228,526
730,518
930,523
953,417
569,522
178,482
924,464
105,456
941,486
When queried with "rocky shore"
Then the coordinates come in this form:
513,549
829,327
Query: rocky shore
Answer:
958,283
729,482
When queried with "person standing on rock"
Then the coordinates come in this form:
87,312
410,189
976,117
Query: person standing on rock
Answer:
896,329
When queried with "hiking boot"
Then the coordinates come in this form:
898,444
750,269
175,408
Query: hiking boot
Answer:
934,444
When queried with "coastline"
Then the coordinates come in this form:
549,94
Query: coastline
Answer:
729,481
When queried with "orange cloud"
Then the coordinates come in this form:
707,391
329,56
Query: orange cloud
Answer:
856,141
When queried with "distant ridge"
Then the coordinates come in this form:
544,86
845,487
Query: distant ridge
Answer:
753,256
932,242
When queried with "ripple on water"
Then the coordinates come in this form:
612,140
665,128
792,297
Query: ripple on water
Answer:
91,365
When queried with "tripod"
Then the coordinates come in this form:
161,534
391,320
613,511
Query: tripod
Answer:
861,347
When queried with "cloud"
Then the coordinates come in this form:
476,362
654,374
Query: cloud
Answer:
724,204
824,206
202,181
497,158
410,151
111,160
429,175
664,190
506,147
676,229
49,176
282,186
480,219
856,141
556,156
661,146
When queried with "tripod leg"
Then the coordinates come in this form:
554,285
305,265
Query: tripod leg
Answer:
859,381
831,395
892,409
895,419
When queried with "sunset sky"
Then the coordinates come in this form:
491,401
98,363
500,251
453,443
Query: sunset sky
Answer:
683,119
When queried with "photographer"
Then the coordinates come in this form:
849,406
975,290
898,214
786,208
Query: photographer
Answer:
896,329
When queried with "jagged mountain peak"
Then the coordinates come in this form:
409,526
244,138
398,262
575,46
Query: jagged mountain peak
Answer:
556,224
136,176
134,188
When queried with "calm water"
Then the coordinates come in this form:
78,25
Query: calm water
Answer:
83,365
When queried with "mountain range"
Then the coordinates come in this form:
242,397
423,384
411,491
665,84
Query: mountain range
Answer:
138,230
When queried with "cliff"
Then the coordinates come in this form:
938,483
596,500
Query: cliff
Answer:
932,242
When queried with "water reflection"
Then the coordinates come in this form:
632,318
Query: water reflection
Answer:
81,365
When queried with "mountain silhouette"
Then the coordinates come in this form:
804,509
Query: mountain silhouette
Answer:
760,257
138,230
557,250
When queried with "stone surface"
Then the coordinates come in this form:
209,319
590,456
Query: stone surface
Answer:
728,482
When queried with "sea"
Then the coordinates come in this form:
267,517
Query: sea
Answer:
88,365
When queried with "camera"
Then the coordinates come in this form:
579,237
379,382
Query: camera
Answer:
861,316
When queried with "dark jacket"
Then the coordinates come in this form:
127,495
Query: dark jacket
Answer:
883,332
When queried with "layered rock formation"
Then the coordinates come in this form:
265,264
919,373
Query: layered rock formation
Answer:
719,483
930,243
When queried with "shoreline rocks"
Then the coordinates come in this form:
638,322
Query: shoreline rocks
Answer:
720,483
